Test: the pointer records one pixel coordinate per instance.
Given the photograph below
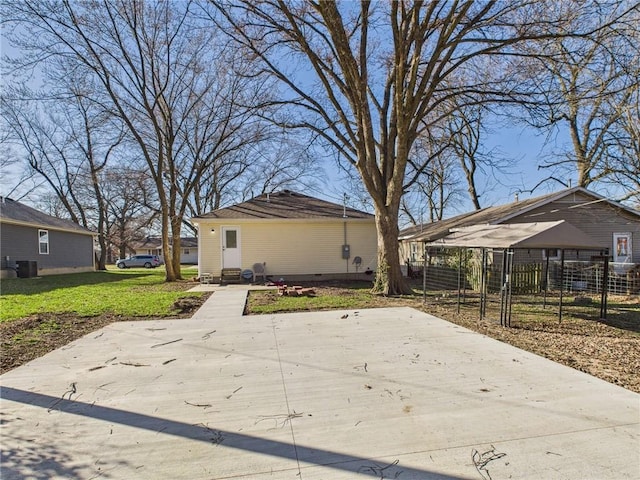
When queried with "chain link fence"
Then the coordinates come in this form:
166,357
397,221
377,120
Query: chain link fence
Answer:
512,285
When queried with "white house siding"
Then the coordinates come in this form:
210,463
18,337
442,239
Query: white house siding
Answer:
189,255
292,247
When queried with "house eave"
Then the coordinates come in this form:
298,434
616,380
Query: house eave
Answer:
47,227
562,194
238,221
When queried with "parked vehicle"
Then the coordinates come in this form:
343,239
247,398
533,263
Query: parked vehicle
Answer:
146,261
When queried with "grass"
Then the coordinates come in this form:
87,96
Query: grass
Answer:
35,335
131,293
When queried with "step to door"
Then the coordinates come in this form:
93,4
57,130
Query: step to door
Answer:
231,275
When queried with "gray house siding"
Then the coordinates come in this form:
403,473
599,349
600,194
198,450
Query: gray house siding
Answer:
67,251
18,243
600,220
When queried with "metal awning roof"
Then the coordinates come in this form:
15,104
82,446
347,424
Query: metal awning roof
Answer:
559,234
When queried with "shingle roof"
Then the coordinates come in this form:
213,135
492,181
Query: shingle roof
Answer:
558,234
156,242
285,205
16,212
492,215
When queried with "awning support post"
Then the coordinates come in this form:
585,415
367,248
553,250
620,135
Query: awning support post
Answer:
483,285
546,280
503,289
561,284
605,288
459,276
510,283
464,281
425,257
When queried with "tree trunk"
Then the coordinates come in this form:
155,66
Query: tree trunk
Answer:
122,248
176,228
102,221
389,279
170,274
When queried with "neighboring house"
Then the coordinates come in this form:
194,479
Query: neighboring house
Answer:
611,224
293,235
55,245
153,246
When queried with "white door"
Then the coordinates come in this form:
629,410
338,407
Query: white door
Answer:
231,247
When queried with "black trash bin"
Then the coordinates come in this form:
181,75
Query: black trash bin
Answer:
27,268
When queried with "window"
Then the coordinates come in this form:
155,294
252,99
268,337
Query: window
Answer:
622,247
186,251
231,238
43,242
552,253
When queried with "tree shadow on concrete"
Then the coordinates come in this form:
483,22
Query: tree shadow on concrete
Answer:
54,461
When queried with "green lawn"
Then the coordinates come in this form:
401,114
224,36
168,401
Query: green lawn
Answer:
131,293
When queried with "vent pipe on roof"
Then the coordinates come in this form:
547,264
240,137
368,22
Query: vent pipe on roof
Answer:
344,206
517,197
268,199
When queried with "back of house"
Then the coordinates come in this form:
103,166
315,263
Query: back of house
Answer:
288,235
33,243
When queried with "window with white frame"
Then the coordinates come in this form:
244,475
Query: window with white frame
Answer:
43,242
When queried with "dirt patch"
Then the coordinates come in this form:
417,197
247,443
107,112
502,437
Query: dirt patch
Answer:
28,338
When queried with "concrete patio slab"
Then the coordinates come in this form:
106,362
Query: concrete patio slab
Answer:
384,393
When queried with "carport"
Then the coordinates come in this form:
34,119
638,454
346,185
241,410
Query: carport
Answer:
507,239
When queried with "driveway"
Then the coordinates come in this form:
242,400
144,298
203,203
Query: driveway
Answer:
384,393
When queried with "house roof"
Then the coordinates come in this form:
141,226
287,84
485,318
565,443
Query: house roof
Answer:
156,242
499,214
285,205
558,234
18,213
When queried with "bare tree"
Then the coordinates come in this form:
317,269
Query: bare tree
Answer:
582,86
380,70
272,163
432,180
468,130
286,163
162,74
47,148
626,168
129,208
439,187
67,141
96,135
